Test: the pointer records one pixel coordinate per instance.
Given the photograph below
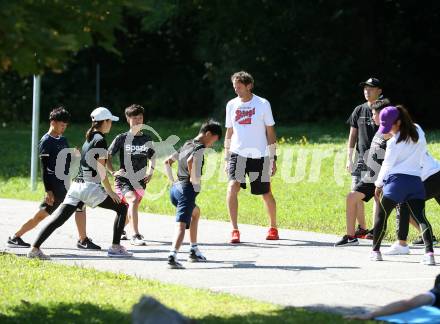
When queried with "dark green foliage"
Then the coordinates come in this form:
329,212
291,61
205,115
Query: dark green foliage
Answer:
176,57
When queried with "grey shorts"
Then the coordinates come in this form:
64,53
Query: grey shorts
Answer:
90,193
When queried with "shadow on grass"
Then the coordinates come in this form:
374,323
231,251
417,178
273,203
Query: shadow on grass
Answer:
64,313
284,315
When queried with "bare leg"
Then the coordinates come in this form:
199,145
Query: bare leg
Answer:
80,219
194,225
360,214
352,203
32,223
232,202
271,208
179,236
133,207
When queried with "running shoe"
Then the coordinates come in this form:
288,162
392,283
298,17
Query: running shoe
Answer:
419,241
124,236
272,234
347,241
235,236
138,240
196,256
428,259
87,244
369,235
360,232
118,252
173,263
17,242
397,249
37,254
376,256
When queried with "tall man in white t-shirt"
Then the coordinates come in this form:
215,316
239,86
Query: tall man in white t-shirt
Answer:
250,150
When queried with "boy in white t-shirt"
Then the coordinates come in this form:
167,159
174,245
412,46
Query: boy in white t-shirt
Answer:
250,150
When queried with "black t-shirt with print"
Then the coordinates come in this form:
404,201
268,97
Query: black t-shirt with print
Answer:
191,147
376,155
138,149
91,151
362,120
49,148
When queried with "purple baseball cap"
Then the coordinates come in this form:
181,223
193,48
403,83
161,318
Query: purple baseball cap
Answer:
388,117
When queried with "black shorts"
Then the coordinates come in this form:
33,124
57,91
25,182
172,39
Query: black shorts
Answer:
432,187
124,185
256,169
367,188
59,192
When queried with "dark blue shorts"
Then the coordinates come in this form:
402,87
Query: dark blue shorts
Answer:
403,187
183,196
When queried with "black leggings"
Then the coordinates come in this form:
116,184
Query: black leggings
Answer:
417,209
63,213
402,220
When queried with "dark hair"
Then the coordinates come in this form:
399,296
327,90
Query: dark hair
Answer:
211,126
243,77
380,104
95,125
134,110
59,114
437,282
407,128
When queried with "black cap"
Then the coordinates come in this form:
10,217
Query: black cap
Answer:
371,82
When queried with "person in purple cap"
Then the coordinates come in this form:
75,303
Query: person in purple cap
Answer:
90,187
399,180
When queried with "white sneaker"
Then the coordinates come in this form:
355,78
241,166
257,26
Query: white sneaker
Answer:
397,249
118,252
37,254
138,240
376,256
428,259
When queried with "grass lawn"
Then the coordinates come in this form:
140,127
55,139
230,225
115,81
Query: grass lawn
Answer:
310,185
37,292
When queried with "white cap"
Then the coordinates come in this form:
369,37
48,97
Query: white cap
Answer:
102,113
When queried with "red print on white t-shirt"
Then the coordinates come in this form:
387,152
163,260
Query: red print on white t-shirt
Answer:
244,116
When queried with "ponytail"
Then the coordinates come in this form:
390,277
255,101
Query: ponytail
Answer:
407,128
95,126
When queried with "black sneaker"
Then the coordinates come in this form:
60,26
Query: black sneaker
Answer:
17,242
419,241
360,232
196,257
173,263
124,236
87,244
347,241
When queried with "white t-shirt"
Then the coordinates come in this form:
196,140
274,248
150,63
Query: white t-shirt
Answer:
248,121
430,166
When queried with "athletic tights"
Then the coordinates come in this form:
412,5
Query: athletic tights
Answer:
63,213
417,209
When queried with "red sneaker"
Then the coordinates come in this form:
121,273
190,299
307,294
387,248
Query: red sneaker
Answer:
272,234
235,236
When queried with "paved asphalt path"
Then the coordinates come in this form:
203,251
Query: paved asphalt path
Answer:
301,269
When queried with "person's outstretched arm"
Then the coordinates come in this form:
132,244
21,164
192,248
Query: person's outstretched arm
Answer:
396,307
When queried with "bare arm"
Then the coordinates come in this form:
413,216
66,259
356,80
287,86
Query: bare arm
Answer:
352,137
102,171
193,166
227,143
271,141
397,307
168,170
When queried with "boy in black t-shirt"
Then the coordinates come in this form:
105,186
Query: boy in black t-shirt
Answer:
135,150
362,130
364,189
184,191
51,144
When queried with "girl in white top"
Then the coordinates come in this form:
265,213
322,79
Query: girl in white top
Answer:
399,180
